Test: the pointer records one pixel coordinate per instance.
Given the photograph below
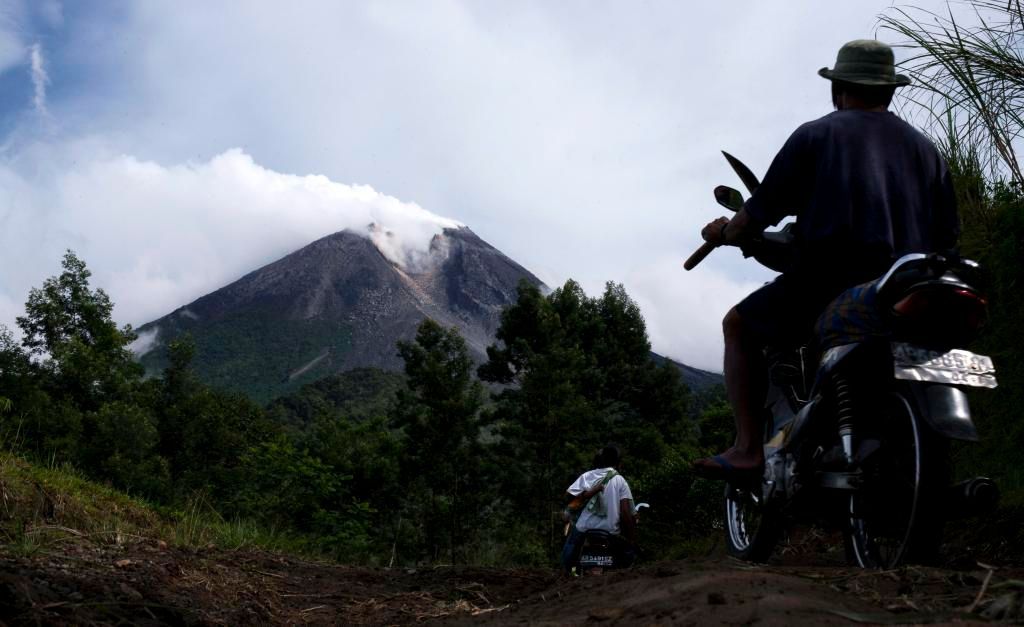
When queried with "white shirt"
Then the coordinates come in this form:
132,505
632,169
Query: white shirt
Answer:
614,491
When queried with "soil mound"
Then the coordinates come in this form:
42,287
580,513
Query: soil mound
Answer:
148,582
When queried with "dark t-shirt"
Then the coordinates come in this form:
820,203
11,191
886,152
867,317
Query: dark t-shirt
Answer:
866,188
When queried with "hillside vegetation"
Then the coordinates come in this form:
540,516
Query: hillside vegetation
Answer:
431,466
367,466
968,93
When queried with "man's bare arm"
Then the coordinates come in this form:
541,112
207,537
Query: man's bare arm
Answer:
577,501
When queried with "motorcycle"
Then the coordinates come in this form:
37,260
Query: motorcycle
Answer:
860,433
600,550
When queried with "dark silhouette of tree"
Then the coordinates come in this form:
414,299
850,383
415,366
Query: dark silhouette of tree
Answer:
438,413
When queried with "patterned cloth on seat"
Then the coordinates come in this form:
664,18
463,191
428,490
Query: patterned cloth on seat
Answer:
854,316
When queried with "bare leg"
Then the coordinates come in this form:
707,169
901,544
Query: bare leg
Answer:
745,387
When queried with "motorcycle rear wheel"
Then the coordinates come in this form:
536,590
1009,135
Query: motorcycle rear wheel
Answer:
895,517
751,529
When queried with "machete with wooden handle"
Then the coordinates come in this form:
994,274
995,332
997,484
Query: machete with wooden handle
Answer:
728,198
699,255
749,180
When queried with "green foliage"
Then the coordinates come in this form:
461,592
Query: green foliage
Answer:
69,327
48,428
123,449
15,369
992,220
255,353
44,505
367,465
685,512
288,487
582,375
38,499
75,400
969,88
355,395
997,242
438,415
968,78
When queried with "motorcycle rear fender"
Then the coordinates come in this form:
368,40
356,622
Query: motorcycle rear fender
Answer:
944,408
829,361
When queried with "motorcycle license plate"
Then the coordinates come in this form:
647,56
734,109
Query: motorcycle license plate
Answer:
955,367
596,560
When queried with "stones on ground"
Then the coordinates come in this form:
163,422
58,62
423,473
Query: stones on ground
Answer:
716,598
131,592
606,613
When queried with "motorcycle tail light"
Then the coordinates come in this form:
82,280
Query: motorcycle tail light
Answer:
942,310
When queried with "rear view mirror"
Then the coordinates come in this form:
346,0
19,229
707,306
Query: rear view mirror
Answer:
728,197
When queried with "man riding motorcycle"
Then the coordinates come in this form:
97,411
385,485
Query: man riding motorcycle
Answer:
866,188
606,506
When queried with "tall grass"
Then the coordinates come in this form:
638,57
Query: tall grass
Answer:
43,507
968,70
968,78
199,524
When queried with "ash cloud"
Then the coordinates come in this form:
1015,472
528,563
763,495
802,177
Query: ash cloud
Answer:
158,236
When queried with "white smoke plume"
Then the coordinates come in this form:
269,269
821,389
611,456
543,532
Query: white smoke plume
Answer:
144,342
40,79
157,237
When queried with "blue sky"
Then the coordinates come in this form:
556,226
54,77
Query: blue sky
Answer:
177,146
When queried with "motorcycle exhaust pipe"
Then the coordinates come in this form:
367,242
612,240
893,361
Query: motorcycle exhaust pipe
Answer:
972,497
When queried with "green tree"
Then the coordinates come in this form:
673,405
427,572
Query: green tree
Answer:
33,421
287,487
124,449
579,373
438,415
75,361
544,415
369,452
68,326
16,382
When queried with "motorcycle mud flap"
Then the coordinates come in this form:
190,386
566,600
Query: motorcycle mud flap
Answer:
945,409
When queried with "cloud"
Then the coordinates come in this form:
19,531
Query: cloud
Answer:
40,79
683,310
583,142
157,237
9,309
12,47
51,12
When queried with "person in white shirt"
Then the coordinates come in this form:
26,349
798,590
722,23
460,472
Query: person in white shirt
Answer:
605,504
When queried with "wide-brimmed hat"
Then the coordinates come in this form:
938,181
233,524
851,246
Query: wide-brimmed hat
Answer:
865,62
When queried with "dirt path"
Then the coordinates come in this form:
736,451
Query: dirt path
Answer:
149,583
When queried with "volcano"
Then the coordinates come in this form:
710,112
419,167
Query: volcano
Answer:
340,303
337,304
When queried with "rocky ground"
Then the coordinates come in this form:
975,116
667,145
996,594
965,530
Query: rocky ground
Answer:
147,582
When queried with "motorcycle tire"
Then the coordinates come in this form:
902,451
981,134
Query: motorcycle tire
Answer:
896,517
751,529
